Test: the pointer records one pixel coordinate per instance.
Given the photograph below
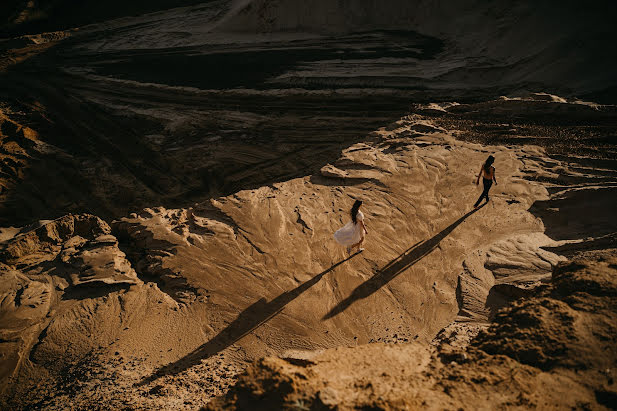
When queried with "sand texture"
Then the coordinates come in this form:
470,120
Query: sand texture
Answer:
554,349
166,306
171,177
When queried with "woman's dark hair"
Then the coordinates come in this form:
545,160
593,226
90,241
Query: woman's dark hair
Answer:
487,164
354,210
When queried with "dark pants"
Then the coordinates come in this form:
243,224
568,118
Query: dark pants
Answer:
487,186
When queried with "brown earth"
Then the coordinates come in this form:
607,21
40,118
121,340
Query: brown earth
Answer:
170,183
554,349
165,307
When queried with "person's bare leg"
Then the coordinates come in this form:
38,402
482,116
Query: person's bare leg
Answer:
358,244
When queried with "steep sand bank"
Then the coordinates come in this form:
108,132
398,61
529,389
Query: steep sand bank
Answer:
19,17
166,306
186,104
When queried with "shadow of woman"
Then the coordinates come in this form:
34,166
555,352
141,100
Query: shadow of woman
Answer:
248,320
395,267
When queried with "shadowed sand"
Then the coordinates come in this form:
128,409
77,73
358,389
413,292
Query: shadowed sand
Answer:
223,141
396,267
171,295
250,319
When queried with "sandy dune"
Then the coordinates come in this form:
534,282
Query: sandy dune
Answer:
185,104
170,183
189,295
539,353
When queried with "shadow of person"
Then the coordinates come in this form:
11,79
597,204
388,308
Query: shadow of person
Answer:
248,320
408,258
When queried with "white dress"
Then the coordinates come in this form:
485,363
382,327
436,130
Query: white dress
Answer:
350,233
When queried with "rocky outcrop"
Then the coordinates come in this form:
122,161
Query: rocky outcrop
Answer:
44,271
78,249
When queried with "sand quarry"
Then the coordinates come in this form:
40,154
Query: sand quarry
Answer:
166,242
166,307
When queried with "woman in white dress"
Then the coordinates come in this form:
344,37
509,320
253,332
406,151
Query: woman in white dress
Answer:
352,234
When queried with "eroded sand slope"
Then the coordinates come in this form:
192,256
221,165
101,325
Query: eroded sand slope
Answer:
166,306
553,349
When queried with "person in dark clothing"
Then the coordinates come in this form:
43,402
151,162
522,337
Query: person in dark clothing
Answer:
487,172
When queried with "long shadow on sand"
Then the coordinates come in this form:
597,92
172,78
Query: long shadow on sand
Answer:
395,267
248,320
